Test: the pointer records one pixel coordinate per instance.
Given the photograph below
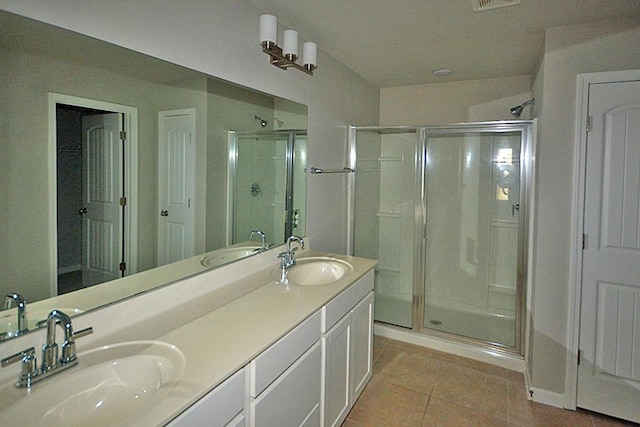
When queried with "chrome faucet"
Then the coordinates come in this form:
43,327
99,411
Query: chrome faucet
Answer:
51,364
263,239
21,304
289,256
50,350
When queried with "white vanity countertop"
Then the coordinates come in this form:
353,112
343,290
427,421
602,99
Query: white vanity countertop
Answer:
221,342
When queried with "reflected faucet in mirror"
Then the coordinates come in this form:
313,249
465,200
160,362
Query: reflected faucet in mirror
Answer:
263,239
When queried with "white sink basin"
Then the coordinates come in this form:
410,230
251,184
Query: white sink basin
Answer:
111,385
9,319
224,256
311,271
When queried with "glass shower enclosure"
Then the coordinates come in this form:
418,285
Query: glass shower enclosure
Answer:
266,184
442,208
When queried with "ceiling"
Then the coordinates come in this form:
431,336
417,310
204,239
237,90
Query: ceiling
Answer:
400,42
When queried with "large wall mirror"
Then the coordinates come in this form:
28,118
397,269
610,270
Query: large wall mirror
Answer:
120,172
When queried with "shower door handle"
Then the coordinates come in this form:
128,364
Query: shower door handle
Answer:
515,208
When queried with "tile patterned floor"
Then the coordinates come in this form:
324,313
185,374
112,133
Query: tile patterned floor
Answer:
417,387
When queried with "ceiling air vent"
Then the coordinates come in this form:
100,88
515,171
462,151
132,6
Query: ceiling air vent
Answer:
480,5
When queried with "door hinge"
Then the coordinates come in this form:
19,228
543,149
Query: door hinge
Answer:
588,123
123,135
123,201
579,356
123,266
584,241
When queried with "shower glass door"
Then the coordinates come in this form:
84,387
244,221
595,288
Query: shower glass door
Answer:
472,193
384,212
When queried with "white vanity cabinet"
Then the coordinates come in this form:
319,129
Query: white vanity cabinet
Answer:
347,344
221,407
309,377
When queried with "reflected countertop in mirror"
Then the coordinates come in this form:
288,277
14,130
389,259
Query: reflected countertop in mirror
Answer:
55,80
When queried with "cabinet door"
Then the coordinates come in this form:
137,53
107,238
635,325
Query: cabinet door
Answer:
362,345
218,408
335,372
293,398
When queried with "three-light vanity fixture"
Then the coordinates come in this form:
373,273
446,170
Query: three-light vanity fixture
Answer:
287,55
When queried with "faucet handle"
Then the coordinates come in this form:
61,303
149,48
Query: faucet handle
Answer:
69,347
28,358
288,259
17,357
83,332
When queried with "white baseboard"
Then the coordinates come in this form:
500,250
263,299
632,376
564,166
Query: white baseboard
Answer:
546,397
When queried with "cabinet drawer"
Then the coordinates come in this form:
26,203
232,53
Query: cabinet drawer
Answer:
265,368
294,398
219,407
335,309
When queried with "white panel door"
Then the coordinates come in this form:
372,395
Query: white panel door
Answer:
609,370
102,188
176,185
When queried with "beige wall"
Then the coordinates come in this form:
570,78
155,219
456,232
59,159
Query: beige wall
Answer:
454,102
569,50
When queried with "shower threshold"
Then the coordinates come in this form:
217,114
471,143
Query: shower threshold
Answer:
453,344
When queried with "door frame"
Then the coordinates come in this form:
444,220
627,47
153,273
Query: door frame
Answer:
130,228
577,229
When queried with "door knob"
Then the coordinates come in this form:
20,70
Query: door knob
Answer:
164,213
82,211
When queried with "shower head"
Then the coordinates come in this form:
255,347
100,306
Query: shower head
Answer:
517,110
263,123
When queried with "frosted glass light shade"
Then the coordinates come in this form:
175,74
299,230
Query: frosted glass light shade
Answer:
268,29
290,43
310,54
